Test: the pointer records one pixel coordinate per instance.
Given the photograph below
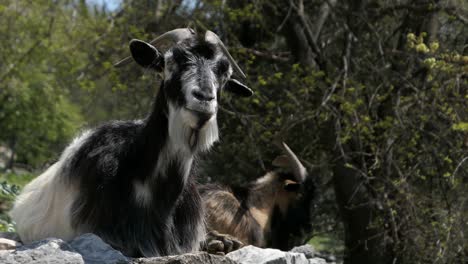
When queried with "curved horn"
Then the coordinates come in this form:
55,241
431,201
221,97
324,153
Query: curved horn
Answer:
173,36
299,170
210,36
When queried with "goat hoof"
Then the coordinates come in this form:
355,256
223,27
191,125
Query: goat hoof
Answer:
217,243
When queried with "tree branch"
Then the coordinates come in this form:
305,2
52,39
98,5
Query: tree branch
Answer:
308,33
267,55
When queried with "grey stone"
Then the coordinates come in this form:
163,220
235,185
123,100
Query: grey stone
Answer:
308,250
317,261
50,250
190,258
255,255
8,244
96,251
88,248
327,256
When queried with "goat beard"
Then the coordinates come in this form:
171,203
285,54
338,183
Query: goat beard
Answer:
189,131
193,139
203,137
196,130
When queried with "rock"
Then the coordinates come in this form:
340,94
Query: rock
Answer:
308,250
255,255
9,241
190,258
51,250
327,256
91,249
87,248
95,251
8,244
317,261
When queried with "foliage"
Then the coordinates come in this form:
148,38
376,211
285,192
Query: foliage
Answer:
36,114
327,243
10,185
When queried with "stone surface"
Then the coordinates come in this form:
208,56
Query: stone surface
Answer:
317,261
191,258
8,244
329,258
255,255
308,250
90,249
87,248
95,251
51,251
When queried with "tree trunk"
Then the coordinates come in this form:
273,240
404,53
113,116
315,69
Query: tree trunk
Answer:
363,243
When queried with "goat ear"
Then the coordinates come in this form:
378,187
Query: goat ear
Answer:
146,55
236,87
291,186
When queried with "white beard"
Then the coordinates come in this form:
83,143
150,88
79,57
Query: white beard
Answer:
183,133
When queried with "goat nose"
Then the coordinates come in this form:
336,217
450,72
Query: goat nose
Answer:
203,95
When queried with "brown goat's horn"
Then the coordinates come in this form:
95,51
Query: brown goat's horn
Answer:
173,36
299,170
210,36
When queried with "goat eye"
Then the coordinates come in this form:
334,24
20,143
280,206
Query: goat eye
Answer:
180,57
221,67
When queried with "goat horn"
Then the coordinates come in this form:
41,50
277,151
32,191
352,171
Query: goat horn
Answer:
173,36
299,170
210,36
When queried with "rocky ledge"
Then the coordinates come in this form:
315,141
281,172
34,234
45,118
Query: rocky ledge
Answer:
90,249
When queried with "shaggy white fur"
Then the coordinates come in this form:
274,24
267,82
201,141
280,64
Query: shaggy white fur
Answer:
44,205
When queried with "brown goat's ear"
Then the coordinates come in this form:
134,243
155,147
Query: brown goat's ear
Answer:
146,55
238,88
281,161
291,186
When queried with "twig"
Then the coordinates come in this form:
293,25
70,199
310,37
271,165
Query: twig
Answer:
267,55
285,19
456,169
333,88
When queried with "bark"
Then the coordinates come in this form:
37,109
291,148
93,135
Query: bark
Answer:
297,41
362,242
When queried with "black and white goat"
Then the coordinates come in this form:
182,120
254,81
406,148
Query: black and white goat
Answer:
130,181
273,211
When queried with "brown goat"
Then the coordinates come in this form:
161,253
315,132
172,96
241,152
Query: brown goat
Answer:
267,212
